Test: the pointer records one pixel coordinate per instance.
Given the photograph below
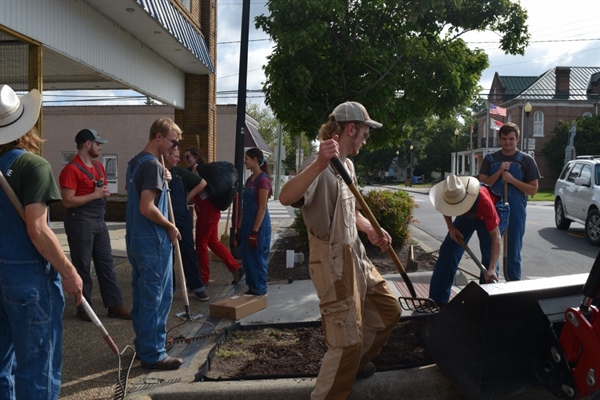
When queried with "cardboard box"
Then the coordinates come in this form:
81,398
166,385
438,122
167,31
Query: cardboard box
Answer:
237,307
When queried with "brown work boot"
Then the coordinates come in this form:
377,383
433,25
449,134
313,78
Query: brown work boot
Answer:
166,363
237,275
118,312
366,371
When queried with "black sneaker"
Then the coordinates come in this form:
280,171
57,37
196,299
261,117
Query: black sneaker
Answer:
202,296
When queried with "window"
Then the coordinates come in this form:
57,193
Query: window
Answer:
586,173
538,123
575,172
66,157
587,114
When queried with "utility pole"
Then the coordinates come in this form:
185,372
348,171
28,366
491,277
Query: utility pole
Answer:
241,114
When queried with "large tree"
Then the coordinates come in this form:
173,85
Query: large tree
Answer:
586,141
402,59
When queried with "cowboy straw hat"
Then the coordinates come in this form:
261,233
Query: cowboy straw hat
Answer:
455,195
17,114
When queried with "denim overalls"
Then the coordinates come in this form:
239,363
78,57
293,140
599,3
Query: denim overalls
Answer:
254,261
150,254
31,309
518,214
451,252
185,224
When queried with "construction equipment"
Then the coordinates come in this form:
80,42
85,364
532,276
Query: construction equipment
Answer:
414,303
505,338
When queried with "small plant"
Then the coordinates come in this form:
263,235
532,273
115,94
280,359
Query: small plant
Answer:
393,210
300,227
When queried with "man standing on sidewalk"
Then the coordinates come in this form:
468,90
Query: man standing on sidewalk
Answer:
149,238
184,185
511,167
84,190
358,309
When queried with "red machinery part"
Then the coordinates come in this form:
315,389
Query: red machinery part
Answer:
580,342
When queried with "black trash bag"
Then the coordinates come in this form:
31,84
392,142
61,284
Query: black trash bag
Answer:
222,182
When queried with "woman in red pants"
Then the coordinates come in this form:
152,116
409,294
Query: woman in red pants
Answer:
207,228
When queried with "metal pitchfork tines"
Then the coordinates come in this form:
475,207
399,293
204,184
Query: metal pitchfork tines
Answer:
414,303
125,360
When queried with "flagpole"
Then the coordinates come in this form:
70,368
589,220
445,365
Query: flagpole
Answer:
487,128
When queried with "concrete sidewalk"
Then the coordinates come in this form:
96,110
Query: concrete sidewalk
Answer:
91,369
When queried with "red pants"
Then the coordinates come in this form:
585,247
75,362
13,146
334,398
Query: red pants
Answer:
207,236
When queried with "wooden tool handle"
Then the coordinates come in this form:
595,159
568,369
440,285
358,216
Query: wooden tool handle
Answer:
339,167
177,251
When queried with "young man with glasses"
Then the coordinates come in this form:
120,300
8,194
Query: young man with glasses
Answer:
358,309
149,238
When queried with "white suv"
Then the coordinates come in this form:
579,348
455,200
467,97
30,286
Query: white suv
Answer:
577,196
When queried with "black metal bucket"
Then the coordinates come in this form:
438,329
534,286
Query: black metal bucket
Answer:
488,339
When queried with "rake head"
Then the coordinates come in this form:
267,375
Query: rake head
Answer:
419,304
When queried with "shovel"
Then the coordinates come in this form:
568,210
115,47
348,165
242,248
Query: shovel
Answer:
413,303
505,249
472,255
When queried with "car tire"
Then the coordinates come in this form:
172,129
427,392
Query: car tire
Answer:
592,227
561,222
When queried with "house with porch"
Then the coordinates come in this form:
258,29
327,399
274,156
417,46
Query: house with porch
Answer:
535,104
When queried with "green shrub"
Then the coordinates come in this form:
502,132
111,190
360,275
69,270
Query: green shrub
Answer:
300,227
393,210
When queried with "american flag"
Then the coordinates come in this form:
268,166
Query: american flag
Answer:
497,110
495,125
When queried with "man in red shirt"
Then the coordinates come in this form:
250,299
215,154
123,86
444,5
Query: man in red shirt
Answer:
84,191
474,206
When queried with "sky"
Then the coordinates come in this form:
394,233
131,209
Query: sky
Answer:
563,33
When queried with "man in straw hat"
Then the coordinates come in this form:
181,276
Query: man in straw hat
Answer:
34,270
357,308
475,207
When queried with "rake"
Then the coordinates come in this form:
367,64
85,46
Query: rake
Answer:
124,367
414,303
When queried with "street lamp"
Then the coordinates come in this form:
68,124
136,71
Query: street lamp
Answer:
411,164
456,133
527,111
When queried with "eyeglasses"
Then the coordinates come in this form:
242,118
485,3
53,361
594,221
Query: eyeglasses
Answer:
174,142
367,133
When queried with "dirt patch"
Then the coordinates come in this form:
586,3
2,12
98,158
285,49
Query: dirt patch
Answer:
272,352
298,352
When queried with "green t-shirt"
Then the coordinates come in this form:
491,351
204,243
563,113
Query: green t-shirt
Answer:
190,180
31,178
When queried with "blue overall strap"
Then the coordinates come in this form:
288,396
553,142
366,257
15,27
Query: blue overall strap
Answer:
9,157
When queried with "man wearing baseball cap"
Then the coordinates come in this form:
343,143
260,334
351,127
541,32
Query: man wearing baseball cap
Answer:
31,258
84,190
475,207
358,309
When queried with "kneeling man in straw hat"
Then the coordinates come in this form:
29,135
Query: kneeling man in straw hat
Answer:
477,209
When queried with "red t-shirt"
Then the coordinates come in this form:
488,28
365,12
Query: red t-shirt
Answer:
486,210
73,178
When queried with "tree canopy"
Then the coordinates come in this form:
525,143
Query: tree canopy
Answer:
403,60
586,141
